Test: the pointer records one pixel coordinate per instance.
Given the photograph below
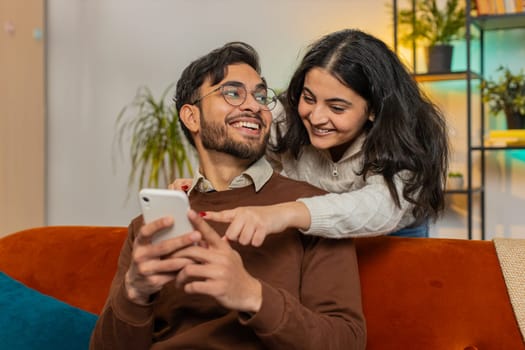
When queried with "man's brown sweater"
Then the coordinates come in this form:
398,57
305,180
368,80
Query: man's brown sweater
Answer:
311,291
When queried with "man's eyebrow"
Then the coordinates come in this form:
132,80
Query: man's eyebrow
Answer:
262,84
233,83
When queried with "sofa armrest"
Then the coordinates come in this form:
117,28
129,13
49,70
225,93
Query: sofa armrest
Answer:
72,263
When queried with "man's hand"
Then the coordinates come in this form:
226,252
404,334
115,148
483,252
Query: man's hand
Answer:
251,225
153,265
220,272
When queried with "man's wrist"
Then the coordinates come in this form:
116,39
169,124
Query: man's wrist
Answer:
133,295
255,302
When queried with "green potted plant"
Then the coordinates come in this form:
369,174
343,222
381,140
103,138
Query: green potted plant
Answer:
434,28
156,146
506,94
455,180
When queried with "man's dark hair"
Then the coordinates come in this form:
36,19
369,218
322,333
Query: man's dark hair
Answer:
213,66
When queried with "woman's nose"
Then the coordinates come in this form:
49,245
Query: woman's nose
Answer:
317,116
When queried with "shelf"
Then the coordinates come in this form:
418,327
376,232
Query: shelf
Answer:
430,77
483,23
497,148
503,21
464,191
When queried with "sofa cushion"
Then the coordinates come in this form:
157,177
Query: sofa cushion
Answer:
31,320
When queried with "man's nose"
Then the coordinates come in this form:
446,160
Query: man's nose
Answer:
251,104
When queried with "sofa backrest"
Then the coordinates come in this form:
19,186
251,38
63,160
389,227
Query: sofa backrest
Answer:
418,293
428,293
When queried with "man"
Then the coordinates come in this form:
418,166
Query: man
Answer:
199,291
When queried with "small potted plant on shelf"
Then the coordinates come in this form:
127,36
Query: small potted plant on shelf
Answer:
455,180
156,146
506,94
433,28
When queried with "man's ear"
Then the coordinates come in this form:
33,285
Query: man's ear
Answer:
190,116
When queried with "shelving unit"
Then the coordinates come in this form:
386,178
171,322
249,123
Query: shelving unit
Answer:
488,23
483,24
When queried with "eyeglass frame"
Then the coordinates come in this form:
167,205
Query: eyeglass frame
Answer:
240,85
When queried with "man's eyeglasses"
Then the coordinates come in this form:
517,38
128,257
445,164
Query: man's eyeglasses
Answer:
235,95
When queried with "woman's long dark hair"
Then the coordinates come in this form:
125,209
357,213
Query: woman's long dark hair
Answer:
408,133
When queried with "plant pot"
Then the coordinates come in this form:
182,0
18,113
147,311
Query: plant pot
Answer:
439,58
455,183
515,120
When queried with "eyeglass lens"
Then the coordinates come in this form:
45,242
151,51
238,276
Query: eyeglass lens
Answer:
235,95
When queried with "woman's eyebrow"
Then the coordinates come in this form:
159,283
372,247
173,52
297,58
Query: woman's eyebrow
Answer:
331,100
338,100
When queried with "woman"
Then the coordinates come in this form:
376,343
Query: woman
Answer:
358,126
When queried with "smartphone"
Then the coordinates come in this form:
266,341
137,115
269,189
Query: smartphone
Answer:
158,203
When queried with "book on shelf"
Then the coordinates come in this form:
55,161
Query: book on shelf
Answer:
519,6
500,7
504,138
485,7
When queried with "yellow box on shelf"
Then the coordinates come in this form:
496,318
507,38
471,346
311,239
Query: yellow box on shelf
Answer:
515,137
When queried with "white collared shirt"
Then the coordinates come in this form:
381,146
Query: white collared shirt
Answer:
257,174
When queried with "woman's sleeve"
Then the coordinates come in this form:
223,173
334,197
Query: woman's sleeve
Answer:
369,211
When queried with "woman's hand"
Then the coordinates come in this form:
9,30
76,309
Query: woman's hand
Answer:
251,225
181,184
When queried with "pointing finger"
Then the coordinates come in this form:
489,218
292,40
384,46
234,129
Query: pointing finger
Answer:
220,216
208,233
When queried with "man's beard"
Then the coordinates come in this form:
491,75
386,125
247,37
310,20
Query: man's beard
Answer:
214,136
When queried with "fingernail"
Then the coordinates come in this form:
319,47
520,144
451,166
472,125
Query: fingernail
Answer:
202,213
184,187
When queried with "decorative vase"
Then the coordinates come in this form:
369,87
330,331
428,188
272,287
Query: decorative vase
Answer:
439,58
455,183
515,120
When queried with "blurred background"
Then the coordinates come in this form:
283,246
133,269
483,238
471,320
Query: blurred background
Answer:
68,67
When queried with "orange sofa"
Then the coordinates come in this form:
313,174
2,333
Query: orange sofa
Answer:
439,294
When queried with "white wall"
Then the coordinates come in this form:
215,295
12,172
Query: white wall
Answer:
100,51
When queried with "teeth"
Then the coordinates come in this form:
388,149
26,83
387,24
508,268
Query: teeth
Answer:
321,131
248,125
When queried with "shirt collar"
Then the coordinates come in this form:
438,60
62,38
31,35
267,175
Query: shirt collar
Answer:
257,174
